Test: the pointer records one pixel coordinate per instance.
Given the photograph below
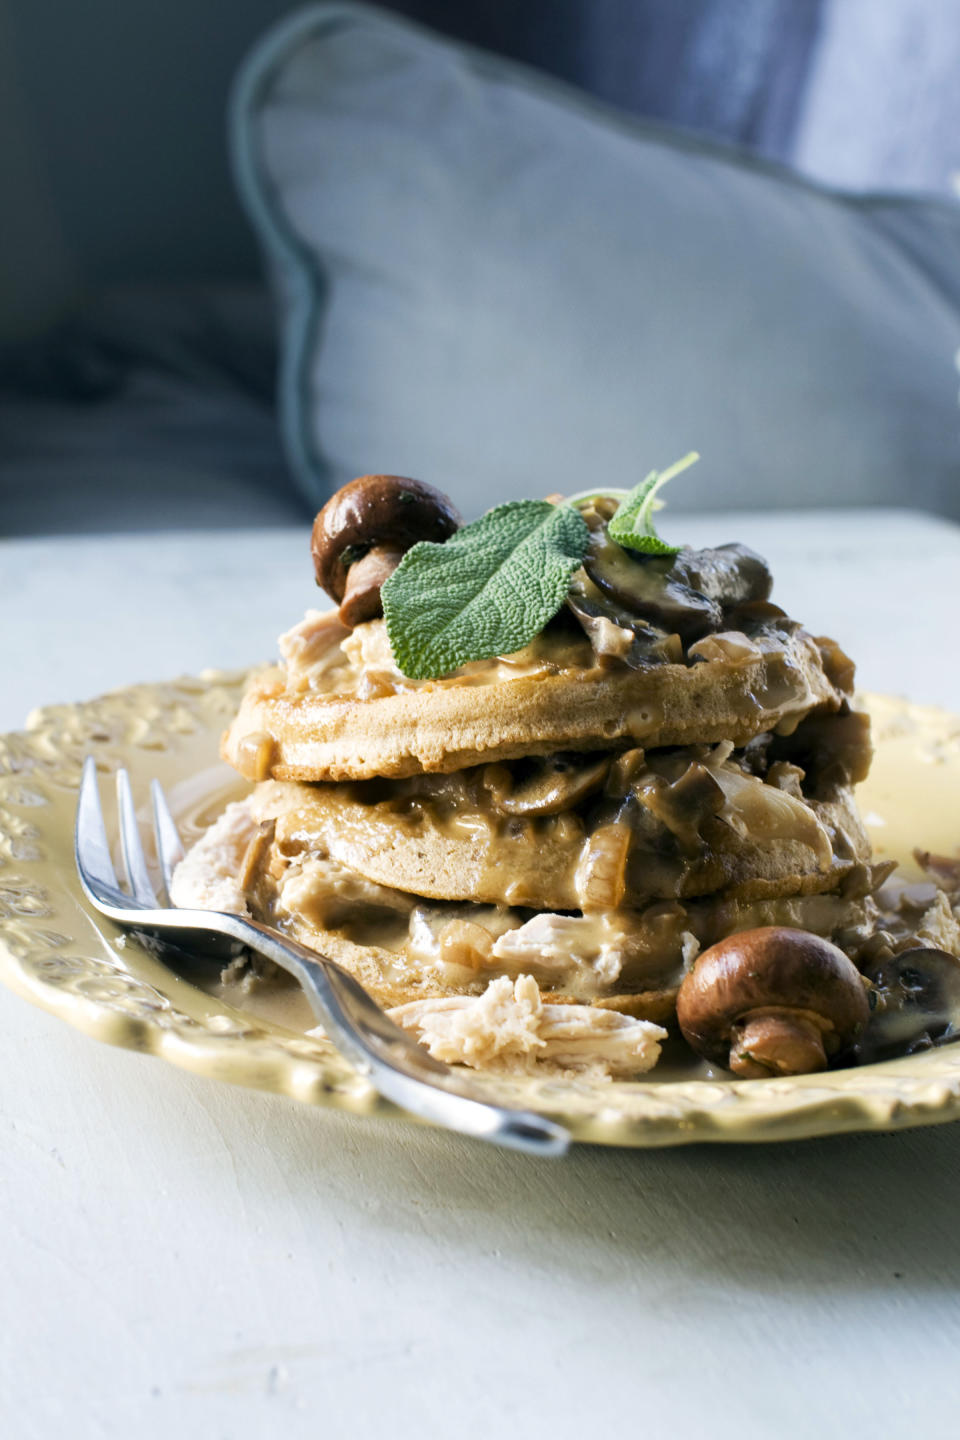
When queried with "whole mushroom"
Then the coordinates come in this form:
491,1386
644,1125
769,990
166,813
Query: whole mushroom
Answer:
363,532
772,1001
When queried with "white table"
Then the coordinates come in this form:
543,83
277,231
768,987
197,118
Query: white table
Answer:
183,1258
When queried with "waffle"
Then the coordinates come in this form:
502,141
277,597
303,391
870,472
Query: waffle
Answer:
288,731
470,852
404,948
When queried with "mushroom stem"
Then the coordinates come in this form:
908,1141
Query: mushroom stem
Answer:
363,530
776,1044
361,595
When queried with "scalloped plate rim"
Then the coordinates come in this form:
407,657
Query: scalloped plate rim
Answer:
133,1008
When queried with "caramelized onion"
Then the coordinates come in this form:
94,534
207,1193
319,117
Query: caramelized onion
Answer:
601,878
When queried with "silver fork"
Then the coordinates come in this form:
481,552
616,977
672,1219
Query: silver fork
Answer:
396,1065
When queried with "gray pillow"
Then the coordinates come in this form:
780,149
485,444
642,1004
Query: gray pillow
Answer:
496,285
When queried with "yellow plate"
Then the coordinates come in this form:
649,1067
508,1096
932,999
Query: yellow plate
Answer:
57,952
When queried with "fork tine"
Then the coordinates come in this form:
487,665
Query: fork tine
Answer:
169,844
134,860
92,849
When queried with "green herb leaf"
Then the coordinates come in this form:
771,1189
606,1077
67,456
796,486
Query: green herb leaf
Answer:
486,591
632,525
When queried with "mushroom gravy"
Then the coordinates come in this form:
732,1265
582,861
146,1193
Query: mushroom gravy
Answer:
324,657
581,832
464,945
916,765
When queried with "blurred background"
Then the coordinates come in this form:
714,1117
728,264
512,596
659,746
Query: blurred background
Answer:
123,248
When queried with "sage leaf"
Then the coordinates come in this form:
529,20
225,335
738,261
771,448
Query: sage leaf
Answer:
632,525
488,590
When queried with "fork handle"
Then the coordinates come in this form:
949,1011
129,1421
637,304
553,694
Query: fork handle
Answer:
400,1069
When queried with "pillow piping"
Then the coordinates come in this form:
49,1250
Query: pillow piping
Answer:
288,255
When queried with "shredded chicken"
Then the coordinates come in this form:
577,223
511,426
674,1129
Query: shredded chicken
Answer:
939,926
368,648
313,647
510,1030
548,945
208,878
329,894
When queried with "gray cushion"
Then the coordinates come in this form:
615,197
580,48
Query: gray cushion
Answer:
498,286
150,410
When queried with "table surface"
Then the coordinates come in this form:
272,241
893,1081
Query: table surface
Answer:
183,1257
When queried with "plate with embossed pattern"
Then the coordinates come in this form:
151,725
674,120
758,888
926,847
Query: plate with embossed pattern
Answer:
60,954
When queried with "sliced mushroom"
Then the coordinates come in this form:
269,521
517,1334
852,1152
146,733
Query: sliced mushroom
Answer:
916,1002
547,785
759,617
615,635
364,530
832,750
625,770
687,592
684,804
257,854
772,1001
646,586
837,665
730,574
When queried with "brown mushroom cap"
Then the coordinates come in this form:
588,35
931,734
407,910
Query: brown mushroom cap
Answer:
772,1001
374,510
